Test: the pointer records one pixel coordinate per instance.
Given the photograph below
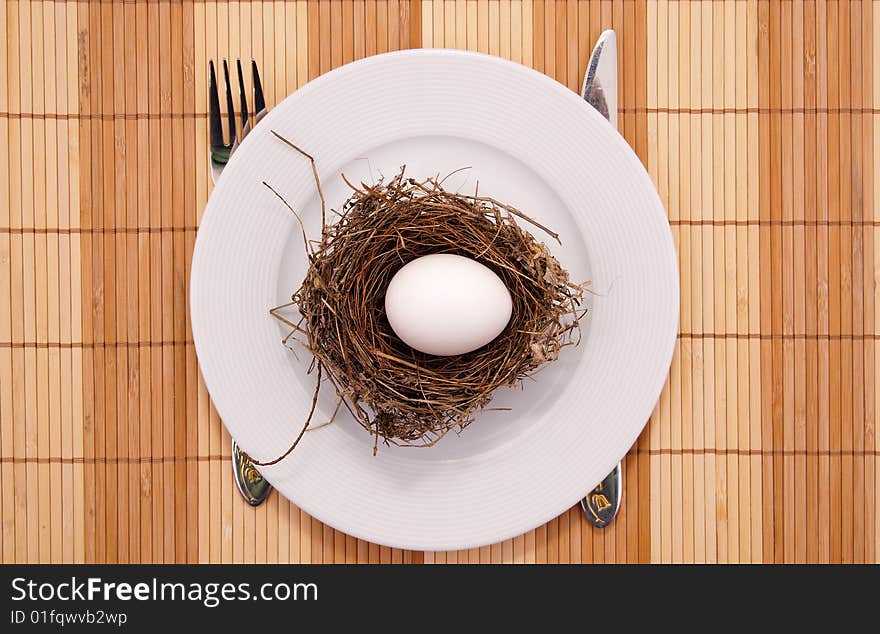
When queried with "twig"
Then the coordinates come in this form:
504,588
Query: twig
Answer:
314,173
302,431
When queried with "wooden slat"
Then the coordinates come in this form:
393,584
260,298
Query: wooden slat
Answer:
759,122
822,254
871,88
9,287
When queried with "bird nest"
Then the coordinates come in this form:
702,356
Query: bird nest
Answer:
399,395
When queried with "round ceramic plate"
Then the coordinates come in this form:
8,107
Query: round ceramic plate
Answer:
526,140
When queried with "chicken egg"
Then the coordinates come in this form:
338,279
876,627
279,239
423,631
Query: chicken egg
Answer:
445,304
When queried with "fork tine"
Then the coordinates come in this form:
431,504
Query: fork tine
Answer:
216,124
241,97
230,109
259,102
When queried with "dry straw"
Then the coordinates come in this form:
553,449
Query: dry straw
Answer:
400,395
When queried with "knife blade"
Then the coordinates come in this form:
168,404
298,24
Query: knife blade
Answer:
600,80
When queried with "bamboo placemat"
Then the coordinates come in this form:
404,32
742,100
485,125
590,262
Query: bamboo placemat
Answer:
759,122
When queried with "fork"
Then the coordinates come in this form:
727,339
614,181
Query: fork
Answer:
221,150
254,488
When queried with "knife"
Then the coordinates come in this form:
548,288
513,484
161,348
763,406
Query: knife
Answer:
600,80
600,91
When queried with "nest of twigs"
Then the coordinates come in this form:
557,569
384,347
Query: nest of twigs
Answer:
402,396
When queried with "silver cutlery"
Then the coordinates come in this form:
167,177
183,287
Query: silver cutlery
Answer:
600,90
254,488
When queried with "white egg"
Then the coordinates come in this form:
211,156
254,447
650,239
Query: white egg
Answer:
446,304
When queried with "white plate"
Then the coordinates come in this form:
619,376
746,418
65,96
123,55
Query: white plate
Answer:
530,142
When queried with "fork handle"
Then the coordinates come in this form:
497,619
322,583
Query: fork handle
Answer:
602,503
